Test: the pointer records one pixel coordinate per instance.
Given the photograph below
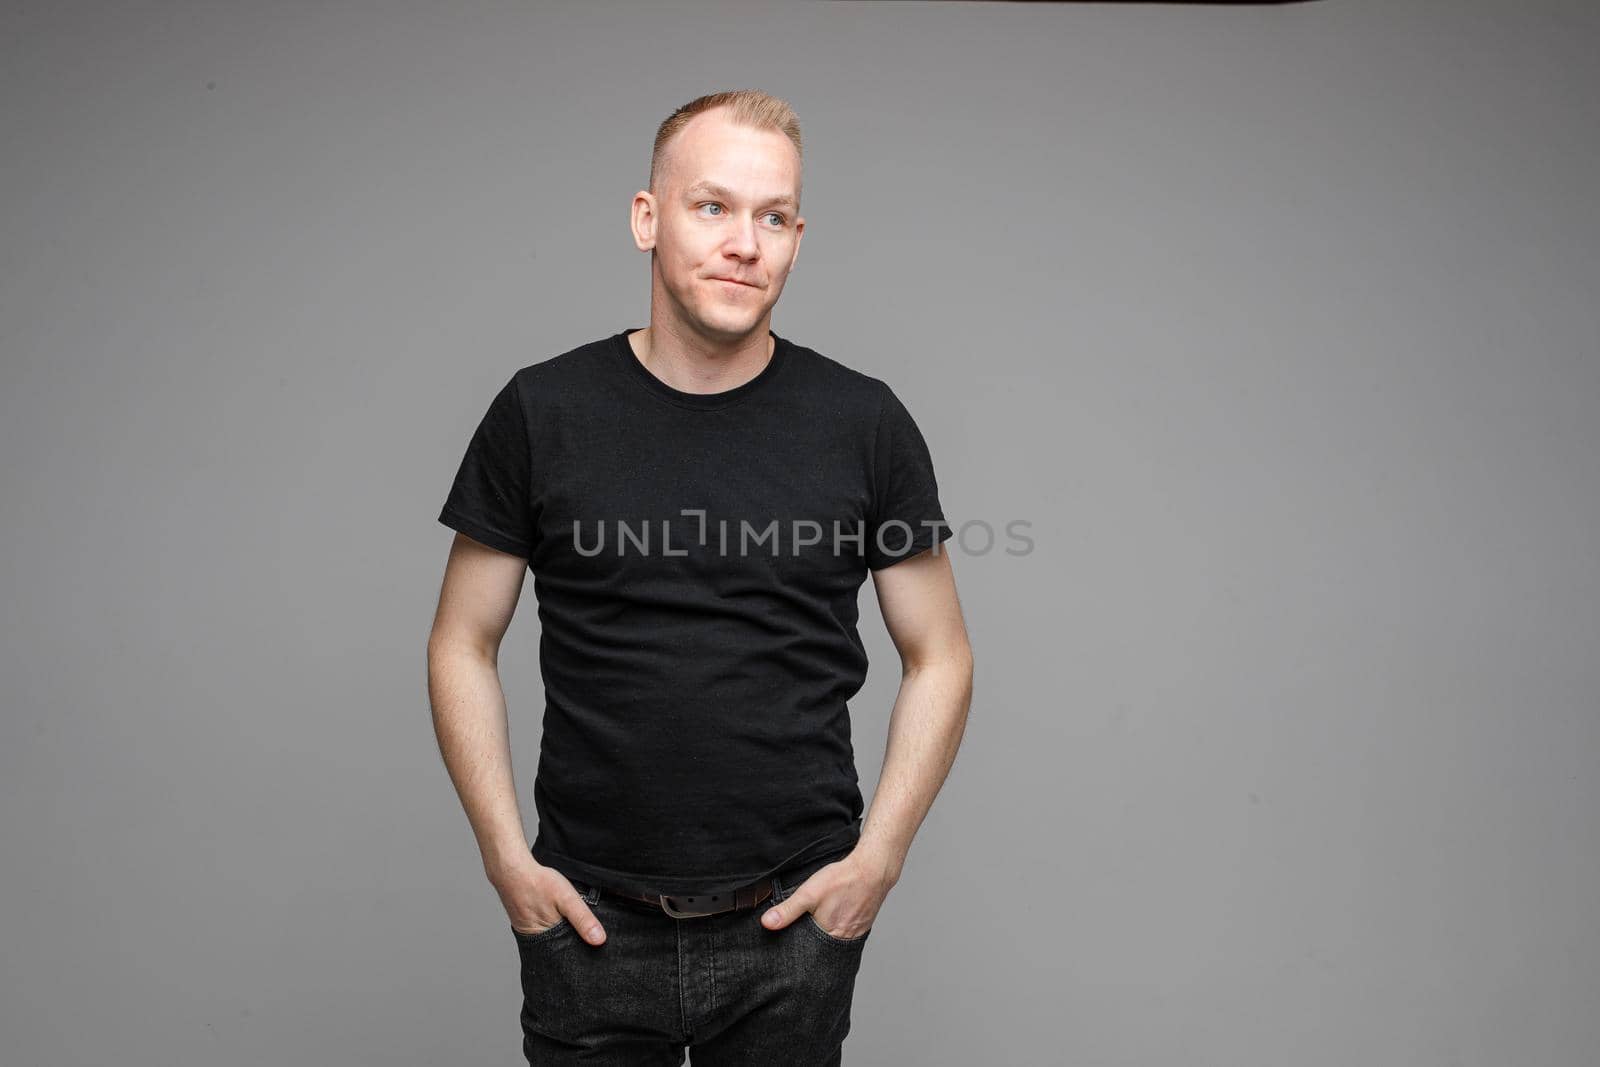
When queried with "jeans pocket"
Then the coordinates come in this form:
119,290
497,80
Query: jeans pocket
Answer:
860,939
529,936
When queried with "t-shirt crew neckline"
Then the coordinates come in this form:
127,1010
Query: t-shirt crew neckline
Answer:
699,401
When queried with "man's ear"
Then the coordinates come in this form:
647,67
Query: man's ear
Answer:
799,232
642,220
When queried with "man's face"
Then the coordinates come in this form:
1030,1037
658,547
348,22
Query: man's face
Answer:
725,208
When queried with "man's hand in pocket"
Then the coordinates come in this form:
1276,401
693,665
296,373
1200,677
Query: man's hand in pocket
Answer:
537,897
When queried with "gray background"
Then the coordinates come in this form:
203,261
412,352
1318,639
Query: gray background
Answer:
1278,324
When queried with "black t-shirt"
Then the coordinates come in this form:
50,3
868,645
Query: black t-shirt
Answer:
698,612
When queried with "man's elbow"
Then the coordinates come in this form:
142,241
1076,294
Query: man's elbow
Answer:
448,647
954,659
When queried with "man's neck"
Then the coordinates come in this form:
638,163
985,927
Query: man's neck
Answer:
690,365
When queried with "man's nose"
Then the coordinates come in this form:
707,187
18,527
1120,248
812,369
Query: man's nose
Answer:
743,240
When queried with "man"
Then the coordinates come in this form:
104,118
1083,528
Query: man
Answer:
699,502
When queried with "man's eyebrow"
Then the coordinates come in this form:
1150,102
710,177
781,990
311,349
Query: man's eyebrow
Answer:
713,189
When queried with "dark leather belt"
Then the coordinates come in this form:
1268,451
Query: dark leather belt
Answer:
689,906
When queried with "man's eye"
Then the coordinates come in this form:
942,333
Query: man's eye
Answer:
711,205
775,215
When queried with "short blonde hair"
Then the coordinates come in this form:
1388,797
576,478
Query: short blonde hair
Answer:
746,107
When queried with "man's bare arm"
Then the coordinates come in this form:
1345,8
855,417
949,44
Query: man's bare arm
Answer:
923,616
476,603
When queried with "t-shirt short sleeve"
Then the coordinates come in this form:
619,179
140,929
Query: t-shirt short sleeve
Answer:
906,517
489,500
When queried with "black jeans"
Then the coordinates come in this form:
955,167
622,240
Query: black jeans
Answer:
723,986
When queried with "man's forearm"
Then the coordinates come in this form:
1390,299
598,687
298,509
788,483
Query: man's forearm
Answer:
469,717
925,730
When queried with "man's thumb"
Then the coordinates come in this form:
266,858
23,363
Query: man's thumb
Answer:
777,916
584,922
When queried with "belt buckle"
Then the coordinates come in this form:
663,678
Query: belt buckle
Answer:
669,904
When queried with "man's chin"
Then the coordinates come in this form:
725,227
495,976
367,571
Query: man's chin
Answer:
730,326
